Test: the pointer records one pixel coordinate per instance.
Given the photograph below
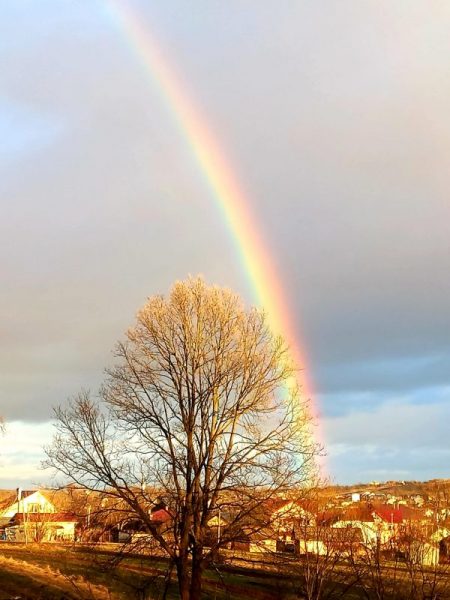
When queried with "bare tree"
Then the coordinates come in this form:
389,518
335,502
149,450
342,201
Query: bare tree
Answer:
324,550
202,407
421,545
378,578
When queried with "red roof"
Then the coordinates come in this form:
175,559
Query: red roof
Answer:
398,515
358,512
412,514
389,514
161,515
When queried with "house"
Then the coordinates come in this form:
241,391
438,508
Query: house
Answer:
218,521
219,529
41,527
26,501
327,541
282,515
137,531
271,528
359,516
161,519
380,523
29,515
249,540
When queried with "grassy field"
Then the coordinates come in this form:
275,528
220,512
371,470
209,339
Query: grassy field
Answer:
53,572
49,572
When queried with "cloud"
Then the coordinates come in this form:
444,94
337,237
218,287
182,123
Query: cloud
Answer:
335,121
395,423
396,439
25,132
383,376
21,454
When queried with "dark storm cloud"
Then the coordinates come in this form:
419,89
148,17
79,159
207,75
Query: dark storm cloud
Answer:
387,375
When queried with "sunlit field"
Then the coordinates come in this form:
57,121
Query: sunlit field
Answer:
47,572
51,572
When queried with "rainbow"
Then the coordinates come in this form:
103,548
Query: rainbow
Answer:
224,187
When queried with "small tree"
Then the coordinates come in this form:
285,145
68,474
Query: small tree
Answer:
378,578
421,543
201,406
324,550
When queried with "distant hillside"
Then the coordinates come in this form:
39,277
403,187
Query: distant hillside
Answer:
395,488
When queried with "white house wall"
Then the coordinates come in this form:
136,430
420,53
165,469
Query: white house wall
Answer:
28,504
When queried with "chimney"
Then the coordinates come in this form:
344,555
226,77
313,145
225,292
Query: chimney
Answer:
19,494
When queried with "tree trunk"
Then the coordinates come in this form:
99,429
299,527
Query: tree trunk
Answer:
190,580
197,574
183,578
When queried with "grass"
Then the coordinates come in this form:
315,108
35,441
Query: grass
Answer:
53,572
57,572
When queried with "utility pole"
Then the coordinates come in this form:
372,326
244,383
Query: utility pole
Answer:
19,498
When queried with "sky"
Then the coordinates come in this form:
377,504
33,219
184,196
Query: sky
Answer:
334,118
